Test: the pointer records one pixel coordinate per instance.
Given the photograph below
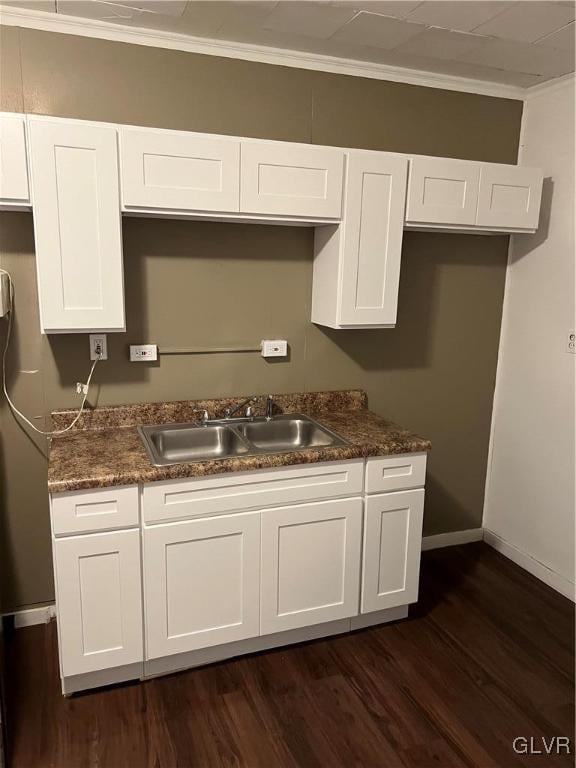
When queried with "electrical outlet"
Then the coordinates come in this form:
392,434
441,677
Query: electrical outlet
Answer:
143,353
98,345
571,342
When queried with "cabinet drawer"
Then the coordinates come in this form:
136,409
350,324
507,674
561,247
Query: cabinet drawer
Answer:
395,473
291,181
98,510
179,170
178,499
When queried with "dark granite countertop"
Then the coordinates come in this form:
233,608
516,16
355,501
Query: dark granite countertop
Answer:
105,448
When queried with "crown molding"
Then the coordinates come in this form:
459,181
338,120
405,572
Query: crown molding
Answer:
72,25
551,85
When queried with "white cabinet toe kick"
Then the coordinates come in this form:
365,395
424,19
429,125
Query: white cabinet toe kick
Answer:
176,574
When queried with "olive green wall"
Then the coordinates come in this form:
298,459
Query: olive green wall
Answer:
195,283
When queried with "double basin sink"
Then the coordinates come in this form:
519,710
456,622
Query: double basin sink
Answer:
185,443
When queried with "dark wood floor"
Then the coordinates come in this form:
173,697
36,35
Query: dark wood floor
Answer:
487,656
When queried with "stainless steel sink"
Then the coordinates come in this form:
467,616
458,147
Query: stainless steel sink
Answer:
183,443
286,434
186,443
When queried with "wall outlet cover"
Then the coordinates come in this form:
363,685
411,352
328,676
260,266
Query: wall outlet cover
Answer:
98,343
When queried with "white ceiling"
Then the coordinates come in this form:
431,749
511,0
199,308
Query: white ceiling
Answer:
519,43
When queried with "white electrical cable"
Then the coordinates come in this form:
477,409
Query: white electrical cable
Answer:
13,408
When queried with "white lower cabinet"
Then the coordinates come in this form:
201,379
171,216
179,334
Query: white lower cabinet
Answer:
99,599
234,577
310,564
392,545
201,583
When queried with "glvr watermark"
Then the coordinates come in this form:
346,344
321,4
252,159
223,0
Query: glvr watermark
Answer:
532,745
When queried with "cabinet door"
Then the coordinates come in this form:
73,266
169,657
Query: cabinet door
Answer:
99,601
310,564
13,165
291,180
392,545
77,225
442,191
372,238
201,583
509,197
178,170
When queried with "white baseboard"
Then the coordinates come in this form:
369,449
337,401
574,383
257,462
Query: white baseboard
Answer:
31,616
530,564
452,538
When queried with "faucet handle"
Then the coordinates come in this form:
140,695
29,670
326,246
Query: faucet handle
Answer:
205,416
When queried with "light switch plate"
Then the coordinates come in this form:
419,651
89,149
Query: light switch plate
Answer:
571,342
145,353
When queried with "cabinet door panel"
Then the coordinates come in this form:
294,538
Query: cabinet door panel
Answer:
179,170
310,564
13,164
392,546
77,225
509,196
372,238
290,180
201,583
442,191
99,601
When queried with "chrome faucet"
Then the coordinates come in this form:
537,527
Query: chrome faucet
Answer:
269,411
229,412
249,414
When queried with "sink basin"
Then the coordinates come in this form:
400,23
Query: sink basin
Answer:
186,443
287,434
183,443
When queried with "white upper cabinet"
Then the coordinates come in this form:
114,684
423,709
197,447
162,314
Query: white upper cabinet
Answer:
14,189
509,196
442,191
357,266
179,170
77,226
291,180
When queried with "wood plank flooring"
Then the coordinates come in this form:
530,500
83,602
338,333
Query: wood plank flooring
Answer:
487,656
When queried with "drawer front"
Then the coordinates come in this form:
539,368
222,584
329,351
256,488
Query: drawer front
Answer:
179,170
291,181
103,509
395,473
179,499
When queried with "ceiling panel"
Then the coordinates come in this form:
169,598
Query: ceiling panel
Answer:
440,43
312,19
378,31
564,38
463,15
399,9
515,24
521,57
